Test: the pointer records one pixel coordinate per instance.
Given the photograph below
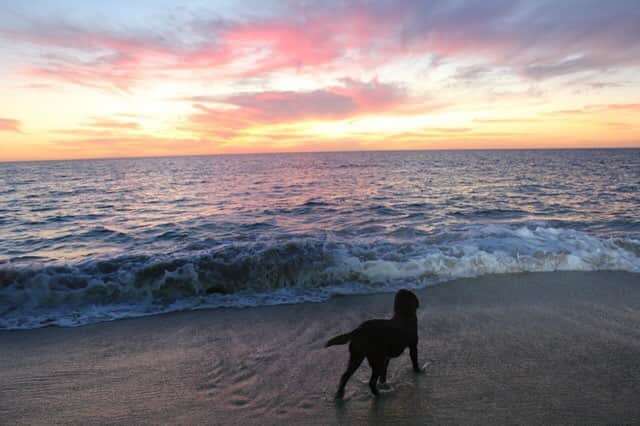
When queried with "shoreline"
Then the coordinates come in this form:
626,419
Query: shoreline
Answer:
539,348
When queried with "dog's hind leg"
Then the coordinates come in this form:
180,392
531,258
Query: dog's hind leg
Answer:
355,359
383,376
377,367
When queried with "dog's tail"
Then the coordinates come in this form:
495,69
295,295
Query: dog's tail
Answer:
339,340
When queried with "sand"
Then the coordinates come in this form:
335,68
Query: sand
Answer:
545,348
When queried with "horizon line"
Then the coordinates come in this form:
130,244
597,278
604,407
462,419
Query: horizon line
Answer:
144,157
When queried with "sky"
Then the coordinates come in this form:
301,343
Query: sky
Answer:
134,78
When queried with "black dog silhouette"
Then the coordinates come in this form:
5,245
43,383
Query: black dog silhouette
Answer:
380,340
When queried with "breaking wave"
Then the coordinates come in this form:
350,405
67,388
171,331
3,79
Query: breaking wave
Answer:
306,270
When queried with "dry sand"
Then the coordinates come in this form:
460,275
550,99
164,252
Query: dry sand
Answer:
548,348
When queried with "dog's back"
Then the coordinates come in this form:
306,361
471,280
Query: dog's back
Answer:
388,337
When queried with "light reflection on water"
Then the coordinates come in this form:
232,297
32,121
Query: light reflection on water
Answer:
73,210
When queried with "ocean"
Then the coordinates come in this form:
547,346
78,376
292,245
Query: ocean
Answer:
89,241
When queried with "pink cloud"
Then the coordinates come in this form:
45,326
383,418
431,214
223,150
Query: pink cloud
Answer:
284,45
352,98
9,125
371,96
538,41
120,58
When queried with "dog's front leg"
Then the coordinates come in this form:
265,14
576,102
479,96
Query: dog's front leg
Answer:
377,365
383,376
413,353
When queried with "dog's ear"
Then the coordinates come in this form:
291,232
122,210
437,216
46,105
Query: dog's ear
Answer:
415,299
405,303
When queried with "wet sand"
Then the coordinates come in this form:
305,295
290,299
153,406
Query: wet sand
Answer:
544,348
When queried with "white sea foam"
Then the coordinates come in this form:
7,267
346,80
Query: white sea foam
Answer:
309,271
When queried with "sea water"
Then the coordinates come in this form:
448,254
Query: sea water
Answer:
95,240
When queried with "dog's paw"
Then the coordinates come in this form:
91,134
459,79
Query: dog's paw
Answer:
384,386
423,369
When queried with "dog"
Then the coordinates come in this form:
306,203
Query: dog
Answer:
379,340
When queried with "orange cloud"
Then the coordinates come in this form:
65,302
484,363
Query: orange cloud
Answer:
99,128
123,146
9,125
598,108
106,123
507,120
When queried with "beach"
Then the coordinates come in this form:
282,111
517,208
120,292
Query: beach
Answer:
537,348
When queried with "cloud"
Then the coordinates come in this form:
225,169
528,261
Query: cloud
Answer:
288,106
622,107
123,146
538,40
619,126
106,123
562,67
100,128
88,54
246,110
599,108
607,84
83,133
9,125
508,120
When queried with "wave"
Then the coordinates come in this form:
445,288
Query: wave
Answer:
294,271
491,214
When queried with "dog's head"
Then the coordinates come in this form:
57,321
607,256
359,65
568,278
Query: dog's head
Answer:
406,303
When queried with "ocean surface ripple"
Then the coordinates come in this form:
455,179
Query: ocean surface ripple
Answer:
97,240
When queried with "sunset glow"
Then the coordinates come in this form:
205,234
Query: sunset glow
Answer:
147,78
